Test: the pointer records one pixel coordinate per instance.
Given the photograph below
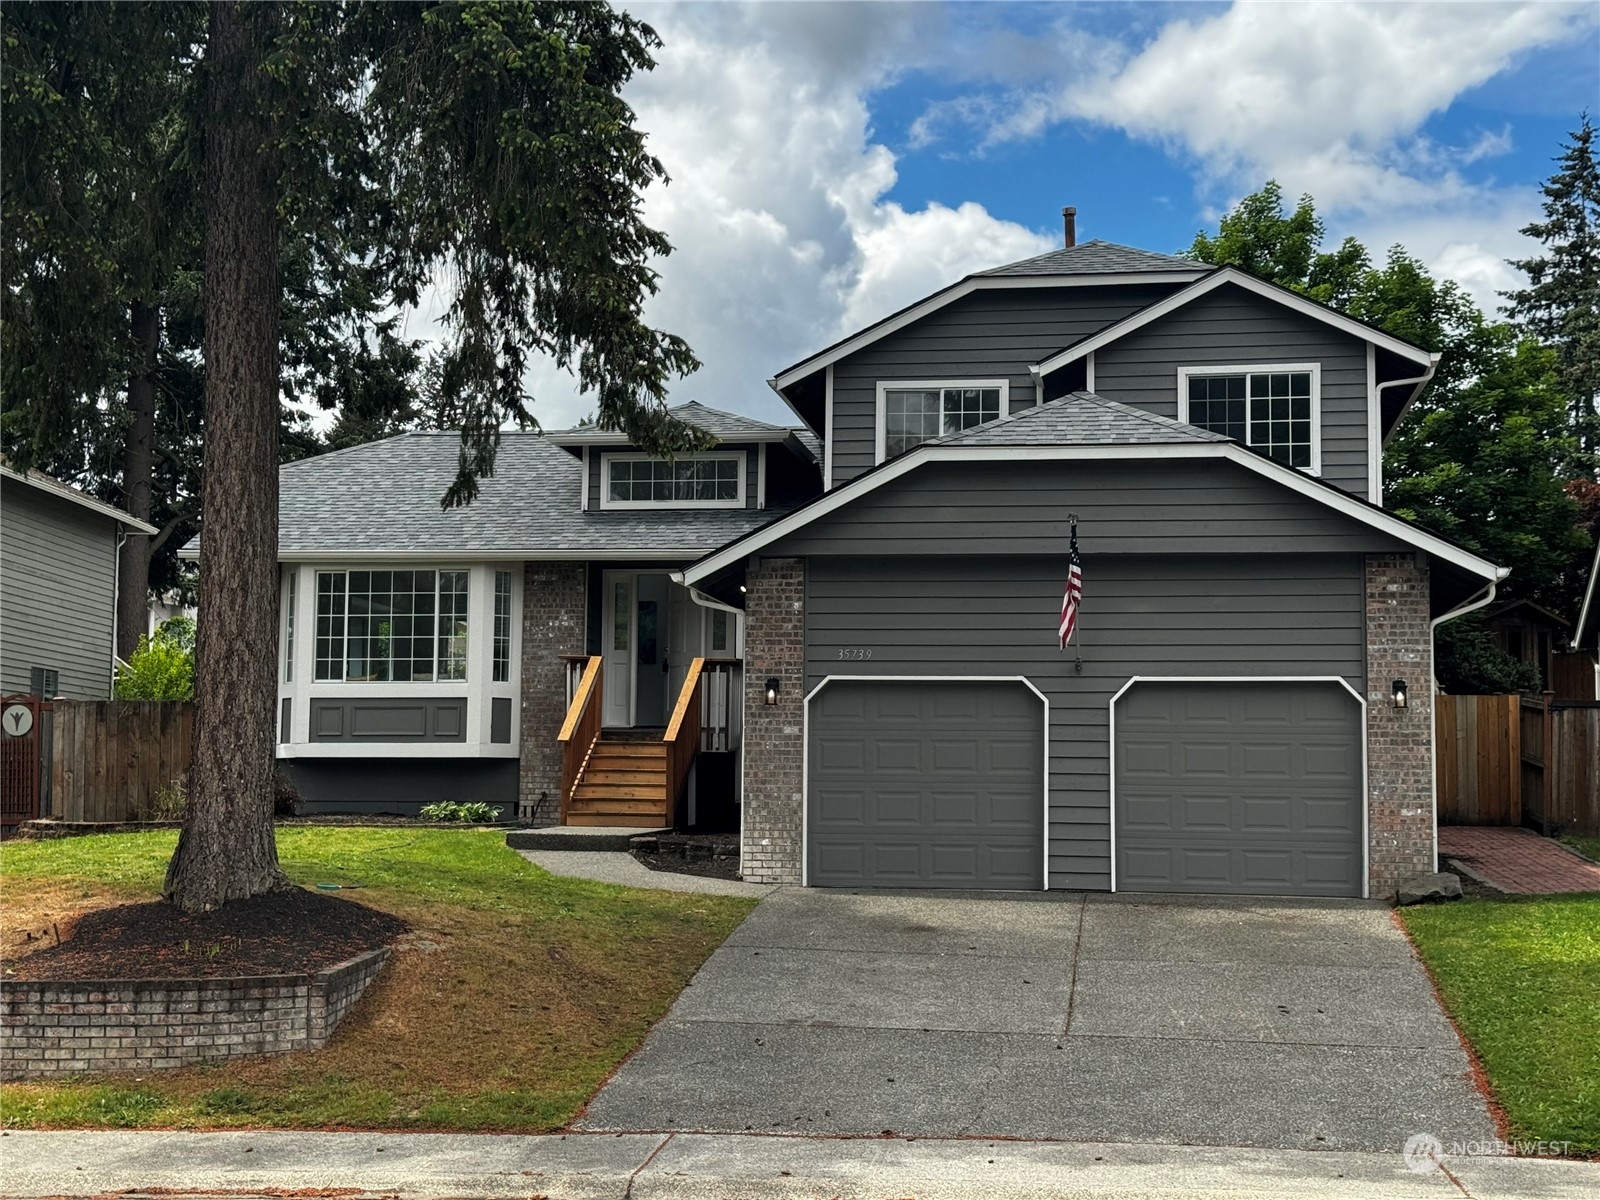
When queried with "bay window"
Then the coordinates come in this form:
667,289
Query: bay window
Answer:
391,626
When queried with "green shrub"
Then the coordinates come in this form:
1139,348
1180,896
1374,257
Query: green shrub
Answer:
448,810
162,668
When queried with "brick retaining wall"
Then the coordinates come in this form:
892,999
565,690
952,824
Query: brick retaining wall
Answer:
75,1027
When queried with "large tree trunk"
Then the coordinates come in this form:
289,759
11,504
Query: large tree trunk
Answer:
138,469
227,850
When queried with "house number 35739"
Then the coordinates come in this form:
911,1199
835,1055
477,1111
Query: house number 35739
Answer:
855,653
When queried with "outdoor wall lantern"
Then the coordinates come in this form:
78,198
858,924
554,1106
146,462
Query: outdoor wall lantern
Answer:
1399,693
773,688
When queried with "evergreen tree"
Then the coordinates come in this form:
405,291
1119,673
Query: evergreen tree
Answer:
1561,304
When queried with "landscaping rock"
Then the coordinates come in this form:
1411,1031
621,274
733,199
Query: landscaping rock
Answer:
1427,889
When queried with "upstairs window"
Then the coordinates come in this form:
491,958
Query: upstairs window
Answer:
1274,411
391,626
688,481
912,413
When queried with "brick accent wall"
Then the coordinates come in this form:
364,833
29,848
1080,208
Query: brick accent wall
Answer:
53,1028
553,612
774,647
1400,820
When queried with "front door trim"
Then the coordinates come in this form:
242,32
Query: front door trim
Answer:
1360,700
805,750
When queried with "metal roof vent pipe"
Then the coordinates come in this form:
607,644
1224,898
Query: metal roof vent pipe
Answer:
1069,217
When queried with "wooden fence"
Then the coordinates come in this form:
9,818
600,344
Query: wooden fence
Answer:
1478,757
1505,760
110,760
1572,675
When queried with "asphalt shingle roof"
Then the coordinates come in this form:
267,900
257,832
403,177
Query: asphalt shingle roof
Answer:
723,425
383,497
1080,419
1097,258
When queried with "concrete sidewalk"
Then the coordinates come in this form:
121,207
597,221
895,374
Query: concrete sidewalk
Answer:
691,1166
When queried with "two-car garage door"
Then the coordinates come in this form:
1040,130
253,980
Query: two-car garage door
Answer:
1223,787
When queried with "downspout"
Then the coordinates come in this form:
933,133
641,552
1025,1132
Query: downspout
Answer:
1483,598
1421,381
116,588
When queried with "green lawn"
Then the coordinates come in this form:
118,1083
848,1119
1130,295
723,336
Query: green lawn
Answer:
1522,979
1589,847
526,991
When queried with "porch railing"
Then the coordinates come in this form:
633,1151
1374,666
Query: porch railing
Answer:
572,667
683,733
720,697
581,730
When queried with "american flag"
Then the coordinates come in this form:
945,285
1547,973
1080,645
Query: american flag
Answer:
1071,598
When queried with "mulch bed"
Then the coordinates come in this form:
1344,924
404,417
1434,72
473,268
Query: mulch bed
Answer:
714,856
278,933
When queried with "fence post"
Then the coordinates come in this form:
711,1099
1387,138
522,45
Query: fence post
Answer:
1549,777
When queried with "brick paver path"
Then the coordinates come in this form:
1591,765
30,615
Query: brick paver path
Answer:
1518,860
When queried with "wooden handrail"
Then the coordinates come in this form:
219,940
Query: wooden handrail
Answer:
580,731
682,737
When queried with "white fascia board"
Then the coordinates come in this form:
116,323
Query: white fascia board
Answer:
1249,283
586,438
1582,627
956,291
1294,479
63,491
649,553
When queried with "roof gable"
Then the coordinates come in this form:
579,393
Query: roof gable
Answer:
1230,275
50,486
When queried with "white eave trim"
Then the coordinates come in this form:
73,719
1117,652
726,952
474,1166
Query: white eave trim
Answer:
1249,283
399,554
589,437
1290,477
1582,627
956,291
61,491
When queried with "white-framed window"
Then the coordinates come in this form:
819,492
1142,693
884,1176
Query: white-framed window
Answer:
502,626
714,480
391,626
290,591
1273,407
914,411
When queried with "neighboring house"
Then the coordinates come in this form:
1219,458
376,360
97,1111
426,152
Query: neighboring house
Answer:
1529,633
166,605
58,587
1247,708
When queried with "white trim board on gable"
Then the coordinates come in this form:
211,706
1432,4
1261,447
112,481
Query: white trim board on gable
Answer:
1296,480
1216,279
949,295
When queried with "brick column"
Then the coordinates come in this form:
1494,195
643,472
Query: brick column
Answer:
774,647
553,611
1400,821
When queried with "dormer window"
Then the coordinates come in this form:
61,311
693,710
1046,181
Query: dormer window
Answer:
910,413
713,480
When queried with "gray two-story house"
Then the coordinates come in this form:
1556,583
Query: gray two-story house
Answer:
843,633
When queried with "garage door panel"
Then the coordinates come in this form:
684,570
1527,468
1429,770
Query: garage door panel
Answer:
844,754
1265,797
948,793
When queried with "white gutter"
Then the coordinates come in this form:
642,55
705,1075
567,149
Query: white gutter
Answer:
1421,381
1485,597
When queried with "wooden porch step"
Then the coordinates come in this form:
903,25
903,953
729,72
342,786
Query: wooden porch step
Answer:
614,820
655,792
614,804
604,748
617,774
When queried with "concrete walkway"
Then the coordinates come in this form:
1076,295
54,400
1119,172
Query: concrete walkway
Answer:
1518,861
613,866
1297,1025
692,1167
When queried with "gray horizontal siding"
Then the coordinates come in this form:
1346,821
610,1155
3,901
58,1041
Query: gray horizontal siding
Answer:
752,461
1187,615
1159,507
1231,326
58,565
989,334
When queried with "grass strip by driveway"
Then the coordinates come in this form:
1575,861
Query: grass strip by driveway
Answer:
515,996
1589,847
1522,979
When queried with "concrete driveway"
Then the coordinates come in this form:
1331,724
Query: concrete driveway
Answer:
1278,1023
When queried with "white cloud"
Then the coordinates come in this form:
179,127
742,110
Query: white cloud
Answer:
783,241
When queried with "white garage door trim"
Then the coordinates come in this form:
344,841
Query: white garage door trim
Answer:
805,750
1360,700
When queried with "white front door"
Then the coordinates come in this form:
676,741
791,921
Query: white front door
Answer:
618,632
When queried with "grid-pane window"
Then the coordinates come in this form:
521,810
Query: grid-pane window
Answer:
391,626
502,626
288,634
691,480
912,416
719,631
1269,410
